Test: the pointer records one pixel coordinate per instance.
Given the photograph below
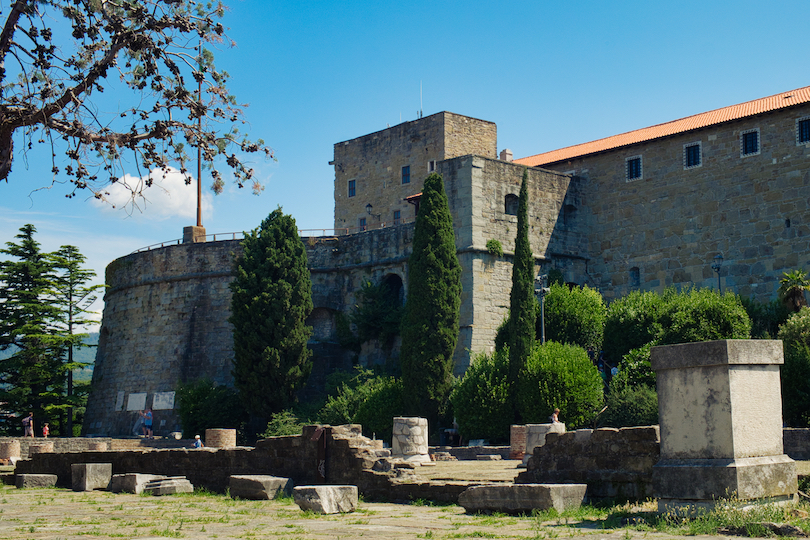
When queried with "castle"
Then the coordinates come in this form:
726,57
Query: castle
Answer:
718,198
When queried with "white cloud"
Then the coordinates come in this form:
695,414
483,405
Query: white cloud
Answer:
168,197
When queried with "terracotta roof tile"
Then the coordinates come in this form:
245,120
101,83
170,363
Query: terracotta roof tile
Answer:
718,116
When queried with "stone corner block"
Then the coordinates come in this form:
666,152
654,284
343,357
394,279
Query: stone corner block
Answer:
522,498
326,499
259,487
168,486
132,482
35,480
90,476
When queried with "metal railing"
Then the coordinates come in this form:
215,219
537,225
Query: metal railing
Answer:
304,233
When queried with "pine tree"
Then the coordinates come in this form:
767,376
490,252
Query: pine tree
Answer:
33,377
521,299
73,297
272,297
430,322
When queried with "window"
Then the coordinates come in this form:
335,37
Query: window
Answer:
406,174
691,155
510,205
432,166
749,142
362,223
633,168
803,130
397,215
352,188
635,276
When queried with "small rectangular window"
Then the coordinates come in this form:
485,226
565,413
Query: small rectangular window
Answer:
406,174
749,142
397,215
352,188
362,223
633,168
432,166
691,155
803,130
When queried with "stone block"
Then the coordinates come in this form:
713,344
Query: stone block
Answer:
410,439
536,436
168,486
132,482
35,480
90,476
259,487
326,499
522,498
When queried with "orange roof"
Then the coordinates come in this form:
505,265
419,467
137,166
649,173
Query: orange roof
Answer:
717,116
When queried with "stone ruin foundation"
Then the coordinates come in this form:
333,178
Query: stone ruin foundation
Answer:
720,414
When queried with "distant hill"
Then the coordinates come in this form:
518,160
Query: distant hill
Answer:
83,354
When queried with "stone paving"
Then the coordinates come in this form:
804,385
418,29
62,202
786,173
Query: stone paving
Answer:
52,514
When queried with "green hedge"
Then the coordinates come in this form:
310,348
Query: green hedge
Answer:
795,336
480,398
574,315
562,376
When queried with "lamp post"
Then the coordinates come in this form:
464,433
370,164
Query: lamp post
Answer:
541,289
718,262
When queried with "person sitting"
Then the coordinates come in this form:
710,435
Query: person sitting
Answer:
197,442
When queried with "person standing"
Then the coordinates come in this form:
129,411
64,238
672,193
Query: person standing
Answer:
46,430
147,423
28,425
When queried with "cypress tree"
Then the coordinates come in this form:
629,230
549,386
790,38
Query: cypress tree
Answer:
430,322
521,299
272,297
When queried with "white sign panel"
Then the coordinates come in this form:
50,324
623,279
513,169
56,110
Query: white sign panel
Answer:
136,402
163,401
119,401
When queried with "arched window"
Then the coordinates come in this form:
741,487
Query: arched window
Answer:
510,205
393,284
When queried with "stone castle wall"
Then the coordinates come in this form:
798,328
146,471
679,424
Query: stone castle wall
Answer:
672,222
374,162
165,322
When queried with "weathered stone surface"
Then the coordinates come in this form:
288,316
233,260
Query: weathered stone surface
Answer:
716,439
90,476
259,487
35,480
536,436
522,498
168,486
326,499
410,439
132,482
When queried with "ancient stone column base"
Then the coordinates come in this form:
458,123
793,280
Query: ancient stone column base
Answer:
695,483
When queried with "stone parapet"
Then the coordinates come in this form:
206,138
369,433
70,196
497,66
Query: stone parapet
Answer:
615,463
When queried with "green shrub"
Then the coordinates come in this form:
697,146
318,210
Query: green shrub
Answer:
574,315
766,317
502,334
202,405
635,369
283,423
377,314
560,376
495,247
480,398
630,406
795,336
702,315
631,322
368,399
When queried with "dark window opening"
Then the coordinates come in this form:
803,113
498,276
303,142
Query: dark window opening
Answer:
362,223
635,277
352,188
692,155
393,289
634,168
750,143
397,215
406,174
511,204
787,223
804,131
569,214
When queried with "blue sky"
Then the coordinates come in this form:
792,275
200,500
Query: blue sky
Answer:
549,74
